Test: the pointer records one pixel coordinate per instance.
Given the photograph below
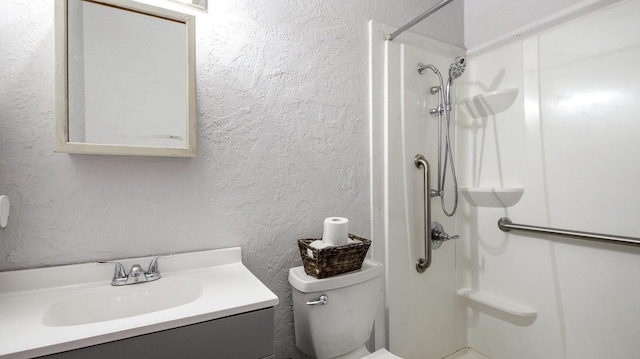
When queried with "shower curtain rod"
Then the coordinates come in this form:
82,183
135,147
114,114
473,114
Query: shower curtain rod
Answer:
506,225
437,7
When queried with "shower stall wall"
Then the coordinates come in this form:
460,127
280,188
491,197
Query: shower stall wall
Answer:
546,133
420,307
568,145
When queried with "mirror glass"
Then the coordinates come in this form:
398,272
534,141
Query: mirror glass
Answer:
124,79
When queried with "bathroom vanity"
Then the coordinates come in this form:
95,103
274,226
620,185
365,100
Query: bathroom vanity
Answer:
247,335
207,304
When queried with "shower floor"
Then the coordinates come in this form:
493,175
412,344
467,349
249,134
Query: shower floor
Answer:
466,353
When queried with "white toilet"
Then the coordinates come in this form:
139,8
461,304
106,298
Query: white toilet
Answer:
341,326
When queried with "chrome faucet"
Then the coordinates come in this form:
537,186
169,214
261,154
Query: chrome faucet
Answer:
136,274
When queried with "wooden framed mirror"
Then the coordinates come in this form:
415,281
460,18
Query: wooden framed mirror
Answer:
125,79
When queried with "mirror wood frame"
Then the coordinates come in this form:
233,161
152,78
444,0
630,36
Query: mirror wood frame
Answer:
62,142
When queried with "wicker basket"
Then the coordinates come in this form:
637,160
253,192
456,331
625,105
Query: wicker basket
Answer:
330,261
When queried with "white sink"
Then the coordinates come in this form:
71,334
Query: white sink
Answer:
55,309
120,302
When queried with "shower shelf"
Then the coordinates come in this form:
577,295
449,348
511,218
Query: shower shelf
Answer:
497,303
492,196
490,103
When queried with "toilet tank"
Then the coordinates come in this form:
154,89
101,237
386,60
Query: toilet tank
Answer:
345,322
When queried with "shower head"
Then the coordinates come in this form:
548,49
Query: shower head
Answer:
455,70
457,67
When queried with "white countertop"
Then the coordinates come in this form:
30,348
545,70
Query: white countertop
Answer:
228,288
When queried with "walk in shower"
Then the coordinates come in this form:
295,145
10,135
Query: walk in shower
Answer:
536,118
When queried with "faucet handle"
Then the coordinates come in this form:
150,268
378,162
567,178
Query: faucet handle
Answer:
438,235
119,275
153,270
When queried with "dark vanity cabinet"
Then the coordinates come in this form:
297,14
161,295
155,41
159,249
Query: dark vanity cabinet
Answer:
242,336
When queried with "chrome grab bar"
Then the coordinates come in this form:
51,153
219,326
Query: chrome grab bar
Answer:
506,225
423,263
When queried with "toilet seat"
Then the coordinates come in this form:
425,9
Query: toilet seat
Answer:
381,354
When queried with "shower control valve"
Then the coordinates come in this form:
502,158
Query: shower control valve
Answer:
438,235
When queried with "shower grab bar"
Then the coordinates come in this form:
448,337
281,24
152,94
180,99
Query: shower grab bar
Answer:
506,225
423,263
421,17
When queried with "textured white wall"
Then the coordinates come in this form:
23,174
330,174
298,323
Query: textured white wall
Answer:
283,142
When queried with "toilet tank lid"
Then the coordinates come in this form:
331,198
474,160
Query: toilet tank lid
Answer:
308,284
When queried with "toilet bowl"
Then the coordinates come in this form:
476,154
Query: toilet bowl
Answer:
334,316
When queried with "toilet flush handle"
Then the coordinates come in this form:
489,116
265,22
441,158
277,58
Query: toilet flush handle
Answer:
322,300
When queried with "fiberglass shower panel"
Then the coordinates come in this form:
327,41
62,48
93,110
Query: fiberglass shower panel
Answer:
580,172
421,306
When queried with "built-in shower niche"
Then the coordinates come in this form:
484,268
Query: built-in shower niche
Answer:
497,303
489,104
483,107
490,121
492,196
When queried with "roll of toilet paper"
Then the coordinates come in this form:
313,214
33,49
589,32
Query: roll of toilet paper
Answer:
318,245
336,231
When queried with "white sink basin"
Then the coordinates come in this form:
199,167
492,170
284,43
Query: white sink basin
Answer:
50,310
121,302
